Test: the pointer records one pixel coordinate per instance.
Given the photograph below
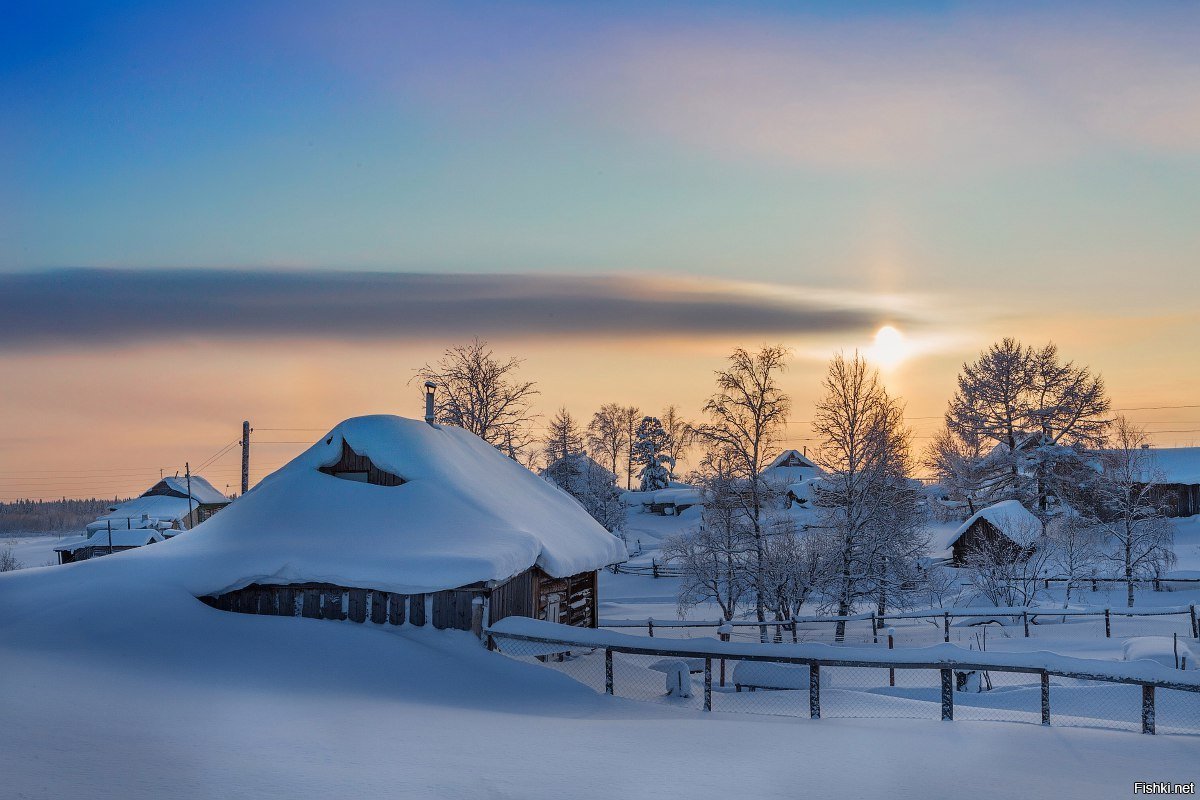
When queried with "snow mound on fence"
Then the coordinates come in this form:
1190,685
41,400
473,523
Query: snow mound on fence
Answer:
464,513
1160,649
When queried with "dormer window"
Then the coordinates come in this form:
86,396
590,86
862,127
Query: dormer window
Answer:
359,468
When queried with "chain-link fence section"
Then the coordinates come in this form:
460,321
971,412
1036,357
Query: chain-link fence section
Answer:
784,688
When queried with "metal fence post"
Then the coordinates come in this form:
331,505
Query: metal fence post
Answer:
1195,629
874,628
608,671
1045,698
946,624
891,644
1107,624
947,694
1148,709
708,684
814,691
1025,618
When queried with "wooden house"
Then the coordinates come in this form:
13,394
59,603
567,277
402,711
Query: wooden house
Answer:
175,503
401,522
1008,524
106,542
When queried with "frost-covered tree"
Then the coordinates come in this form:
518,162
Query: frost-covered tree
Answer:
1041,415
794,567
8,561
482,394
1139,539
1076,546
651,451
746,417
592,486
957,461
869,509
717,561
563,437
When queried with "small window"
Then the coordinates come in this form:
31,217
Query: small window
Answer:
359,468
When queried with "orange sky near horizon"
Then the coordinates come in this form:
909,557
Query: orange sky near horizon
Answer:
104,422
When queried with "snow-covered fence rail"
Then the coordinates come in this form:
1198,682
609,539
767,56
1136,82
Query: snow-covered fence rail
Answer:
1025,616
854,681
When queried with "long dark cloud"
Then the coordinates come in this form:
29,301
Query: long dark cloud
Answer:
104,307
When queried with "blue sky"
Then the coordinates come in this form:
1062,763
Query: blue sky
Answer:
961,170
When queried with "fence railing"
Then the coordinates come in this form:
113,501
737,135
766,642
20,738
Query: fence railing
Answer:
782,630
818,680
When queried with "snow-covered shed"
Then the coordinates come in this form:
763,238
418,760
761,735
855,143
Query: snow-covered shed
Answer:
106,542
395,519
1006,521
174,503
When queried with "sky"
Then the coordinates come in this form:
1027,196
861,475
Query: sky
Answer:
276,211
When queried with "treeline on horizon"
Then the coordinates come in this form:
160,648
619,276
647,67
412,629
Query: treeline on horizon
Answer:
50,516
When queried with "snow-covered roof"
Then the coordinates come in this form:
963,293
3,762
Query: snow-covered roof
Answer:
1009,517
143,512
464,513
121,537
790,467
1173,464
792,458
201,490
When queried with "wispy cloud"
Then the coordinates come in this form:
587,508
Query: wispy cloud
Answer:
974,88
94,307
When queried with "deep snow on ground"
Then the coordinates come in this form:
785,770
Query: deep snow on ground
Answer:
115,689
116,682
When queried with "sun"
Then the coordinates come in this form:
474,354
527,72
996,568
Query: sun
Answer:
889,349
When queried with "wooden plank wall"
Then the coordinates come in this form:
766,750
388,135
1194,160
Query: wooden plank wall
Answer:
524,595
353,462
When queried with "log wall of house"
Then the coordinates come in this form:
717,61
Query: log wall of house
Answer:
353,462
525,595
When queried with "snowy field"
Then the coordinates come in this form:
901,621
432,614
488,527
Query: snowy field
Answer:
110,692
117,683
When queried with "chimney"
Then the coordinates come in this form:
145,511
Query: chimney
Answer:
429,387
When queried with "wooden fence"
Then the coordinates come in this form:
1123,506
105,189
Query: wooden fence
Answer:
501,638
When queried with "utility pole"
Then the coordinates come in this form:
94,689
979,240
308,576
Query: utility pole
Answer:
188,472
245,456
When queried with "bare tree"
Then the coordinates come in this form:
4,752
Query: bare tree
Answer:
563,437
1042,413
482,394
630,418
680,432
794,567
607,435
717,560
1076,548
746,416
957,462
869,509
1140,539
8,561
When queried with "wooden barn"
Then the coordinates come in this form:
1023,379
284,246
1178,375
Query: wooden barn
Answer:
1174,477
106,542
396,521
1008,524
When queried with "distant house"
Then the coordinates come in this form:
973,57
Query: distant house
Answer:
1007,522
173,504
106,542
404,522
1174,475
